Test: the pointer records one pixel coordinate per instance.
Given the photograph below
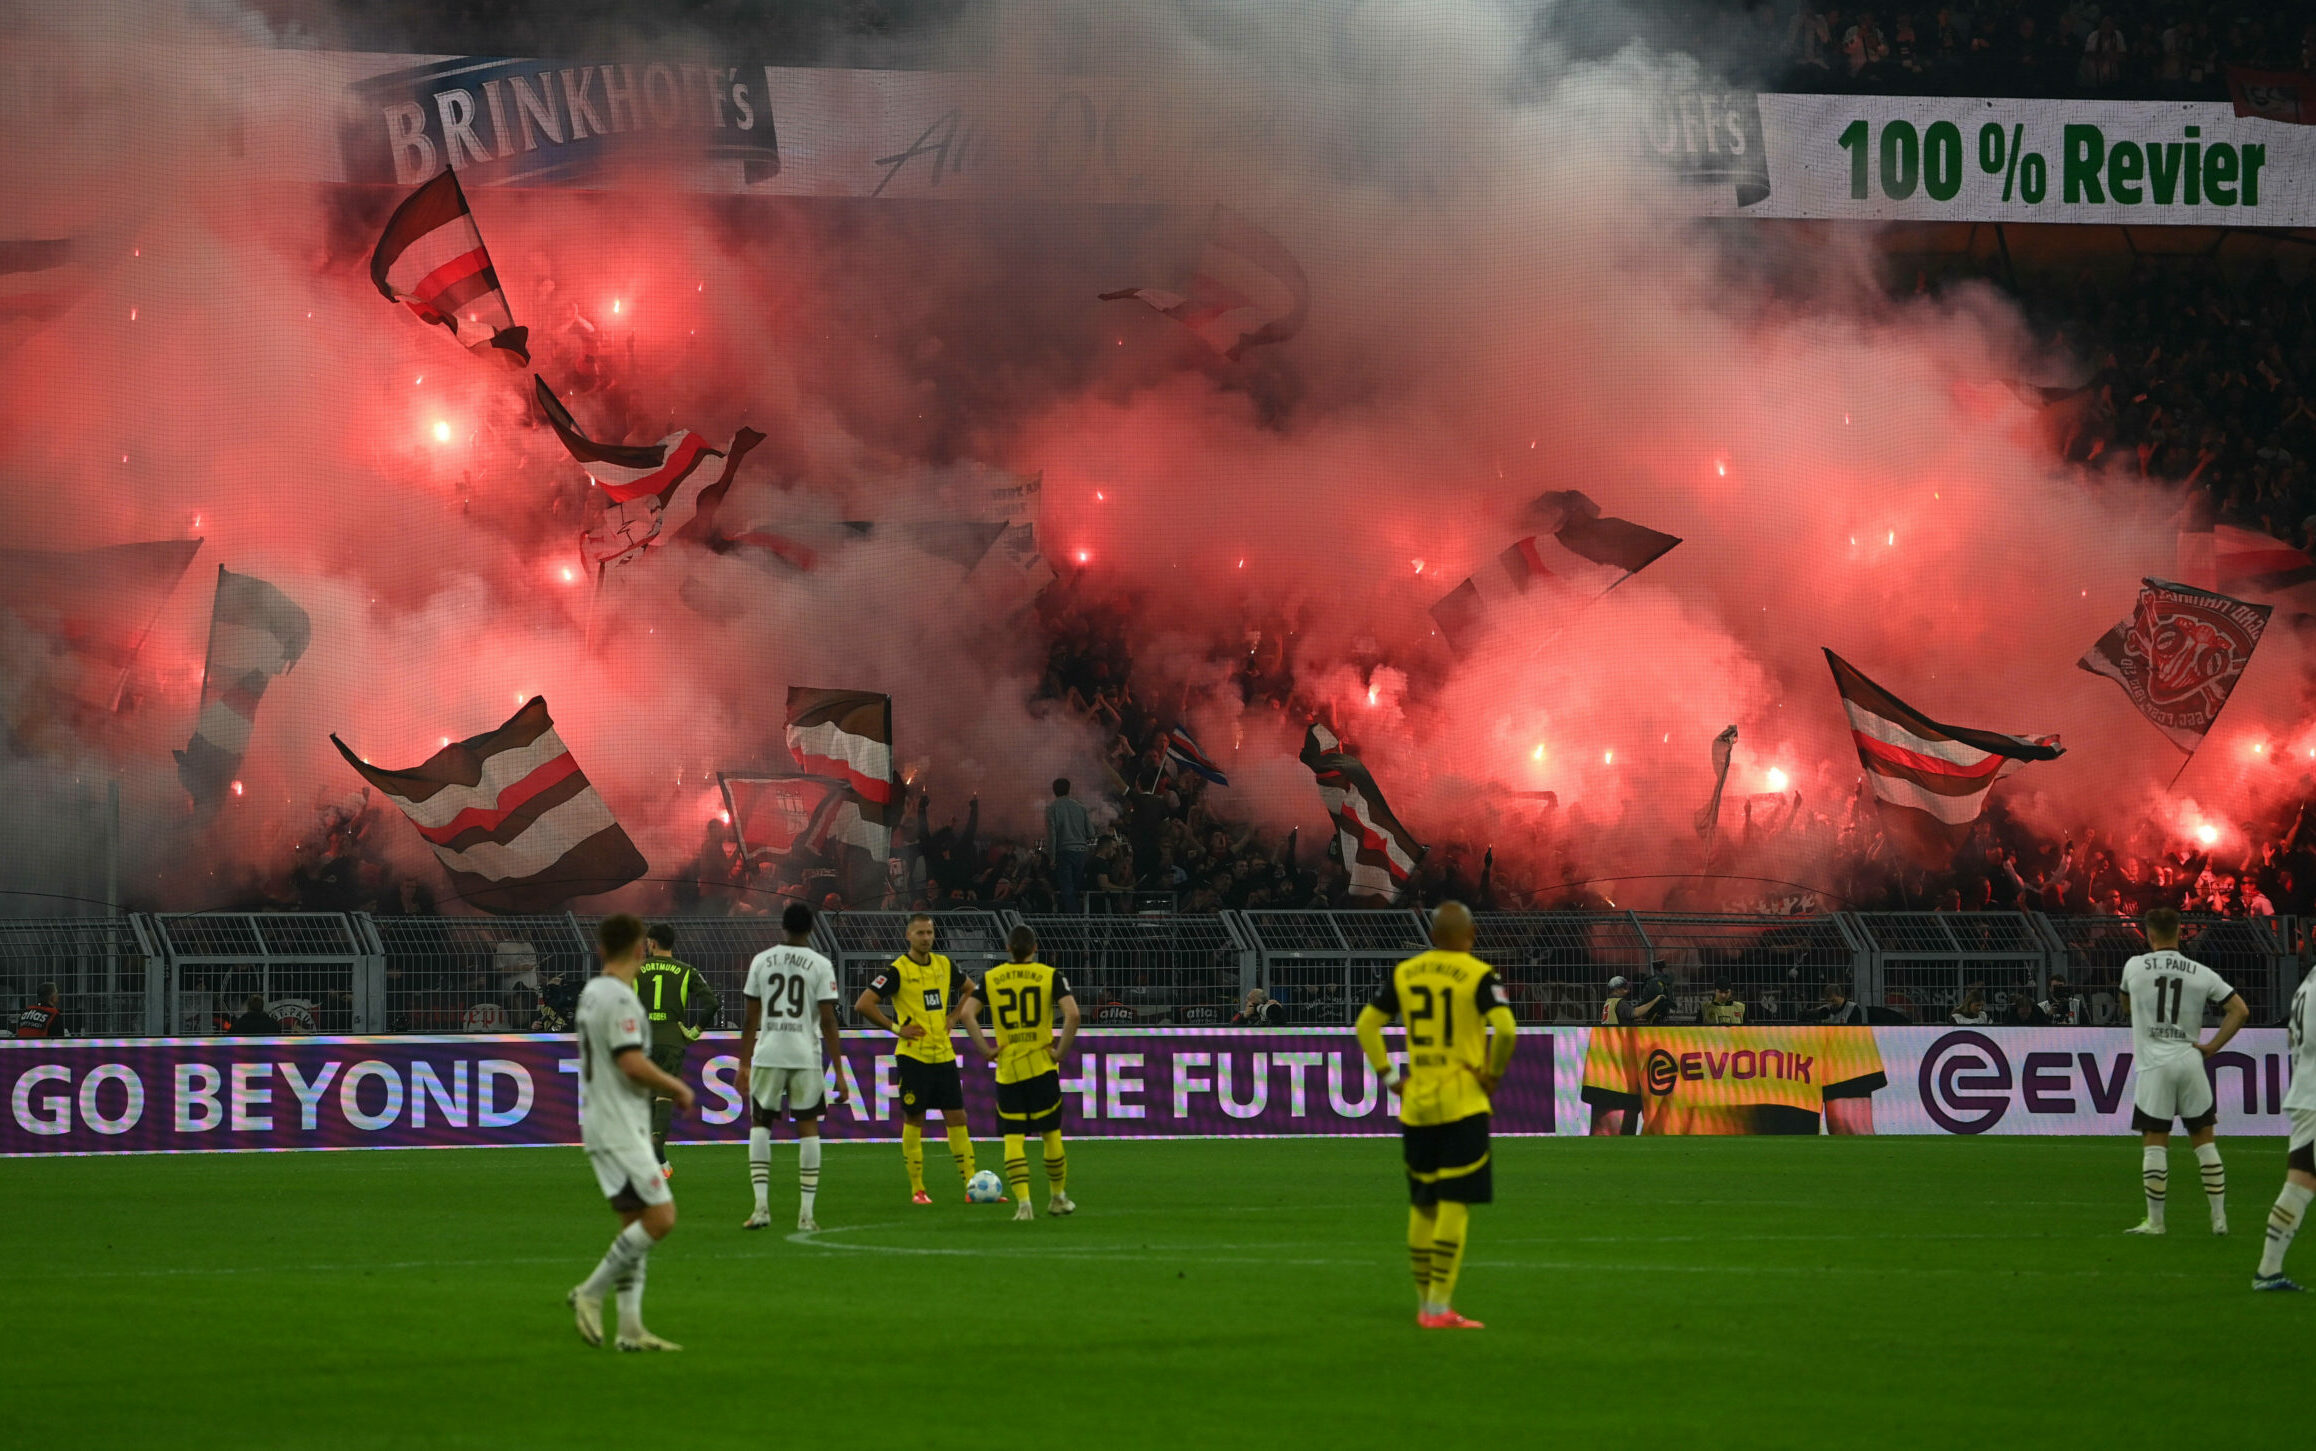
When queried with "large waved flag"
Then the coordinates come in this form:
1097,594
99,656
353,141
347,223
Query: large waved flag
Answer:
848,735
772,815
629,527
626,471
1378,852
2233,561
511,816
1932,779
431,258
2179,655
1248,289
1724,746
93,607
1577,555
255,633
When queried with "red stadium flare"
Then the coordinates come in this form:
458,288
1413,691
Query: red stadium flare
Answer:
1777,780
1083,556
2207,834
441,431
237,788
1418,565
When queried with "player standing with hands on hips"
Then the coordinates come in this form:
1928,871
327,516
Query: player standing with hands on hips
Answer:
1022,994
1460,1036
2165,995
616,1081
926,992
791,997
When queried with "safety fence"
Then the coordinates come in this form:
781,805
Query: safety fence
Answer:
178,974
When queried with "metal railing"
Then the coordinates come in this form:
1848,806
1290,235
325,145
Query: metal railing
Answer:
1150,969
191,973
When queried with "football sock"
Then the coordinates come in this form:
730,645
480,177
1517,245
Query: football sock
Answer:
1057,1164
1447,1251
961,1149
1017,1166
2283,1223
662,1114
913,1154
807,1172
629,1246
2215,1180
1420,1223
631,1299
2155,1174
760,1167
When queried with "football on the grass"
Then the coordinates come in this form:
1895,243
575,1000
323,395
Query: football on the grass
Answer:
985,1188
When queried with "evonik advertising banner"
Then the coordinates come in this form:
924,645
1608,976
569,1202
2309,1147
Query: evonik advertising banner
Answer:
191,1095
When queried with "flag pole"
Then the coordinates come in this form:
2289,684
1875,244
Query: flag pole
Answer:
2174,786
594,602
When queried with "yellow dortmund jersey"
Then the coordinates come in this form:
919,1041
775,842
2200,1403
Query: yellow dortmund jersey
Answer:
1444,999
1021,998
1730,1080
922,993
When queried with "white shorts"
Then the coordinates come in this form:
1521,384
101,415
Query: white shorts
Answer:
2303,1127
801,1088
629,1176
2177,1089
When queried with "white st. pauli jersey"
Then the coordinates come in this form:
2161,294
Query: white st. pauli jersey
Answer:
614,1110
2300,1029
791,983
2168,994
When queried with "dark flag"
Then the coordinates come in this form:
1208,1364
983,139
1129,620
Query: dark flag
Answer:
255,633
2287,96
511,817
848,735
1379,853
95,606
1724,745
629,527
1931,779
2179,655
1248,289
1185,752
1577,555
432,259
625,471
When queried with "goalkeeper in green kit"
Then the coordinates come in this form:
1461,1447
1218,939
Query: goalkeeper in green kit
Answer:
675,997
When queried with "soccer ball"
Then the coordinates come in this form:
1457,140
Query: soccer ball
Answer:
985,1188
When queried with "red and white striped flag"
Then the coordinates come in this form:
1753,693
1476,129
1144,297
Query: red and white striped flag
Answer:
1932,779
432,259
255,633
511,817
627,471
1248,289
1577,555
1378,852
848,734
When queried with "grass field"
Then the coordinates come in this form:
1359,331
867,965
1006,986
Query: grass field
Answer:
1757,1292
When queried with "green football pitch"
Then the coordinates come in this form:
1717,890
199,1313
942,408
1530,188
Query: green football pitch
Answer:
1756,1292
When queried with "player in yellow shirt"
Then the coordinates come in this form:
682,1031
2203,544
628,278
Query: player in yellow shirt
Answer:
1022,994
1460,1037
926,992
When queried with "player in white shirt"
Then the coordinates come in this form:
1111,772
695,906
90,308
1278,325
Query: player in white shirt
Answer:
2165,995
616,1082
2300,1158
791,996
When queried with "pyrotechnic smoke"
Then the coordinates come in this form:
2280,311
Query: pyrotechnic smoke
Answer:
1505,302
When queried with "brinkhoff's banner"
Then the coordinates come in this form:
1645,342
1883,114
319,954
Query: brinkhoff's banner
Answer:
201,1094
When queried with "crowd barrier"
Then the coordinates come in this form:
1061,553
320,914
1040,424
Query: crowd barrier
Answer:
191,1095
189,974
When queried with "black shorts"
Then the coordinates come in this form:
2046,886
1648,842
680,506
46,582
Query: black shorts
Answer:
1448,1161
2301,1157
1032,1106
2147,1123
929,1086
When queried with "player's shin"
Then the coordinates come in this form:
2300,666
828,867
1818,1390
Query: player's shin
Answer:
913,1155
2155,1178
1422,1221
2284,1221
630,1284
2215,1183
807,1173
1017,1166
760,1167
1447,1251
961,1149
628,1247
1057,1165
